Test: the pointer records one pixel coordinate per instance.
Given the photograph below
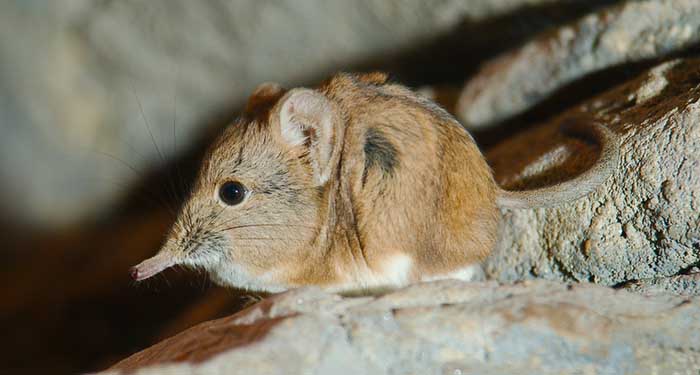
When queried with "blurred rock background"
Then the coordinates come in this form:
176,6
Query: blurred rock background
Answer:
105,107
87,82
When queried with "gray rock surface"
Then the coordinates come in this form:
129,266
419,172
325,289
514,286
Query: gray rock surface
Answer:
630,32
682,285
445,327
644,222
74,75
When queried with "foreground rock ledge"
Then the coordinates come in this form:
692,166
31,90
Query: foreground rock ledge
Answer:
446,327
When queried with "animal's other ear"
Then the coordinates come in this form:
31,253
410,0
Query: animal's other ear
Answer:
263,96
307,119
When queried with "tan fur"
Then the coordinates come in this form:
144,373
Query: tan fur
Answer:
358,184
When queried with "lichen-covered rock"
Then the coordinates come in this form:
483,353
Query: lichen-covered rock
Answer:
630,32
446,327
644,222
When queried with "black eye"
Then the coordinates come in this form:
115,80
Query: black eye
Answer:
232,193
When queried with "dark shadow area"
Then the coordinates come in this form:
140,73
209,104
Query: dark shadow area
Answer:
69,299
455,56
571,95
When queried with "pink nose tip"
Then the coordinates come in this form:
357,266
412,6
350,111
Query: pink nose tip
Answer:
134,273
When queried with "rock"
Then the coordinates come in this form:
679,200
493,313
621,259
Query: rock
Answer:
644,222
631,32
81,83
682,285
445,327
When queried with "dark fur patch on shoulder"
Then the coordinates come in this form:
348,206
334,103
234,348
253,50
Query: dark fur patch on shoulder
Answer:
379,152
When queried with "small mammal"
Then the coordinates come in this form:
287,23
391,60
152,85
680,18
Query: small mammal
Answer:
357,184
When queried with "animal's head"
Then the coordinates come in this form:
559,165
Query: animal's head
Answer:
257,209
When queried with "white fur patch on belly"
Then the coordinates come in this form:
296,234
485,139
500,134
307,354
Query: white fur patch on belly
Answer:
398,270
473,272
395,272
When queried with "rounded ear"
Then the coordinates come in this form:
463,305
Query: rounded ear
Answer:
264,95
308,119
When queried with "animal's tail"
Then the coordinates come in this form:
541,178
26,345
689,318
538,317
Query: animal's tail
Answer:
578,187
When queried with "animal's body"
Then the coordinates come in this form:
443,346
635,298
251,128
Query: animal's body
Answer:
356,184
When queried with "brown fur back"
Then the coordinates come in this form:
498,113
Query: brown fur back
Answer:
418,184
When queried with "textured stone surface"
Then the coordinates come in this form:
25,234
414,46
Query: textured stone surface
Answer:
644,222
441,328
633,31
683,285
72,74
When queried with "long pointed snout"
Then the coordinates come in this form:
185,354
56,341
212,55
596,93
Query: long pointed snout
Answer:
152,266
